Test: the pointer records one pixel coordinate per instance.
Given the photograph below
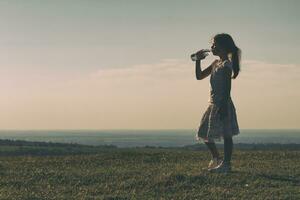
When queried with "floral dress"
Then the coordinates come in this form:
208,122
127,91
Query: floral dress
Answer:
211,127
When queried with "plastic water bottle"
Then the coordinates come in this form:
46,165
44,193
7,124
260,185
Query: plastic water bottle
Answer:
205,53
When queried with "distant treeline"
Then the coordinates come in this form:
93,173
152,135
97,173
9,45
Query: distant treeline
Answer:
21,147
8,142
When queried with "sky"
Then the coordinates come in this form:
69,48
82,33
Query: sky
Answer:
126,64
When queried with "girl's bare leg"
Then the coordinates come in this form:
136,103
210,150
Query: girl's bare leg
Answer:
213,149
228,146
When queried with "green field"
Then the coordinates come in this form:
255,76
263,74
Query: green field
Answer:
144,173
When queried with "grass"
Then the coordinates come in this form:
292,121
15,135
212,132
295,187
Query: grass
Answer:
149,173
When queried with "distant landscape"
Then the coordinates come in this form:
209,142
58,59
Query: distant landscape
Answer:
140,138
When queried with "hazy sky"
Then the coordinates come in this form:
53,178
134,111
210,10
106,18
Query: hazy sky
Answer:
125,64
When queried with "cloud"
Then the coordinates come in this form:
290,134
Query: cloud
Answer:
165,70
169,75
174,69
272,71
266,64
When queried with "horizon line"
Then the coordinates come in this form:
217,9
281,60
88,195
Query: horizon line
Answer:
132,129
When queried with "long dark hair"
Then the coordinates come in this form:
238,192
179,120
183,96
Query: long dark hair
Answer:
227,43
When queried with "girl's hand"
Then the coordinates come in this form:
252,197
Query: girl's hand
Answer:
202,53
223,112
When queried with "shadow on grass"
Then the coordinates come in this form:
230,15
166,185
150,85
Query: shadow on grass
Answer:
273,177
284,178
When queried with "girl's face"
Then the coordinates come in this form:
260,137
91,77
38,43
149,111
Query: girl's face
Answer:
216,49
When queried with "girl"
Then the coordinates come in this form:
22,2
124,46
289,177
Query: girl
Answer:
219,120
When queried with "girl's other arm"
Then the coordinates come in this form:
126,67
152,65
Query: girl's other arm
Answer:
227,84
226,87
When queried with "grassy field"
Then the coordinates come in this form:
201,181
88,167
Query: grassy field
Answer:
147,173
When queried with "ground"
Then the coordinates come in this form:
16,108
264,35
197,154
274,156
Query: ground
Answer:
150,173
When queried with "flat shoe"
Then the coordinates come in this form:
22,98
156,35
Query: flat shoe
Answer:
221,168
213,163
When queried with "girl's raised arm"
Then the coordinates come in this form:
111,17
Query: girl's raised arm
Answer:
203,74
